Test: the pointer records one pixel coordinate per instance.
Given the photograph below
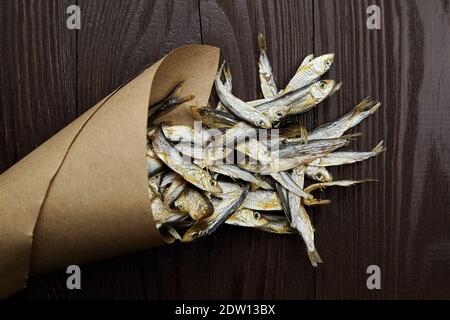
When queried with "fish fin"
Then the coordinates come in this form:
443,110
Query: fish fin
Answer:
174,233
351,136
316,202
379,147
368,104
307,60
261,42
314,257
304,134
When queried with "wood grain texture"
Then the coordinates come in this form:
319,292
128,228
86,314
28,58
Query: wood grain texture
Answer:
37,76
400,223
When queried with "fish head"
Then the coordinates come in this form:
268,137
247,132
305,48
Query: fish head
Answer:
323,63
260,120
276,114
321,89
198,112
194,232
255,219
319,174
211,185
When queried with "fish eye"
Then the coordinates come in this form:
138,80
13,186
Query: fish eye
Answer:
194,234
279,114
319,176
256,215
261,122
213,182
322,84
328,63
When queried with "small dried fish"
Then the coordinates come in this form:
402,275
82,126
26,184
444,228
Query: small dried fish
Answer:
195,203
310,71
238,107
347,157
337,128
340,183
284,179
266,77
288,159
168,104
235,172
186,134
317,93
300,219
213,118
174,160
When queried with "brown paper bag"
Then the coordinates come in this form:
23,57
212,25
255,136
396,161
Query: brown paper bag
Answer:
82,196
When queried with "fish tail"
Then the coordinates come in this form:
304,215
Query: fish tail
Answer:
261,42
351,136
379,147
174,233
314,257
368,104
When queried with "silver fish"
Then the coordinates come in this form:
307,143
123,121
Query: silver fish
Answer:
300,219
186,134
347,157
290,150
235,172
287,160
337,128
168,104
340,183
284,179
309,72
317,93
189,171
266,77
238,107
213,118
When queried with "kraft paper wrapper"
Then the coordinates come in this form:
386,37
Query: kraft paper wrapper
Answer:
82,196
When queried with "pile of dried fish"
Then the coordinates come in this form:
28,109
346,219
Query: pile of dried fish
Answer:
229,168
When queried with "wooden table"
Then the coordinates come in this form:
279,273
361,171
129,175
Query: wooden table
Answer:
49,75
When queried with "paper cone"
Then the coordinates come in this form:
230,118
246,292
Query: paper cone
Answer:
82,196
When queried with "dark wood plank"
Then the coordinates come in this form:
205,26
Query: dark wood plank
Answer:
37,76
401,222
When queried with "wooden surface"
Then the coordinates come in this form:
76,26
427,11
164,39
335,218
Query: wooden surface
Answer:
49,75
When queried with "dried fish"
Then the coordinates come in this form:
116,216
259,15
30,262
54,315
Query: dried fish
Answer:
189,171
238,107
